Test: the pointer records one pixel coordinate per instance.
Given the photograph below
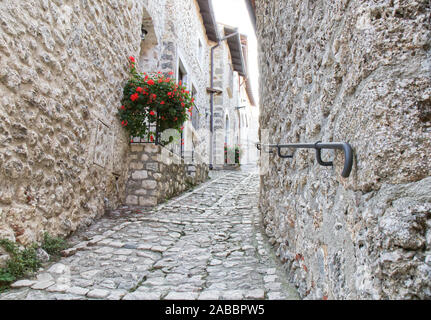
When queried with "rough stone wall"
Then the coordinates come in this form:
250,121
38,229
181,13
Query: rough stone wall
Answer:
63,154
355,71
156,174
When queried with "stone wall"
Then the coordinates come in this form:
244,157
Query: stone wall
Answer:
360,72
63,154
156,175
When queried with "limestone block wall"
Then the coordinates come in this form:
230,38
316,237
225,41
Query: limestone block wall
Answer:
156,175
355,71
63,155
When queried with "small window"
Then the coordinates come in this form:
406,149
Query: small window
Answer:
230,88
195,112
182,73
200,51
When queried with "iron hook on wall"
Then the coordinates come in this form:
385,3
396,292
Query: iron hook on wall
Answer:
318,146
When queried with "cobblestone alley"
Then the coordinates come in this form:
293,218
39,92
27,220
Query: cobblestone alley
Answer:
204,244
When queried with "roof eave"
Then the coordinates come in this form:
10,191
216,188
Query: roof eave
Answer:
207,13
235,48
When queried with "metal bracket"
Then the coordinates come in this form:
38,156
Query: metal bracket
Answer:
283,156
319,156
318,146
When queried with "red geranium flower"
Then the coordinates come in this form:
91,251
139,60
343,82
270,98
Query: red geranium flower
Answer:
134,96
162,102
139,89
122,107
171,73
151,138
132,59
152,113
150,82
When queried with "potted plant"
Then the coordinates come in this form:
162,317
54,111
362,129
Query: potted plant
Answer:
153,100
236,150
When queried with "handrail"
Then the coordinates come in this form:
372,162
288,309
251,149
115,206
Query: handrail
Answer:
318,146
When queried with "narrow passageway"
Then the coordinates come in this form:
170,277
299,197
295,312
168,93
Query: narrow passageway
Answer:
205,244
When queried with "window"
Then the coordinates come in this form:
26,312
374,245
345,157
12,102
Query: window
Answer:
230,81
182,73
195,112
182,76
200,51
226,131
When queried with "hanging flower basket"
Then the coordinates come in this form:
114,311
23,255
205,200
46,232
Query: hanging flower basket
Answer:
153,103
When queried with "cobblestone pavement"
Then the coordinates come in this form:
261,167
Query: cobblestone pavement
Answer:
204,244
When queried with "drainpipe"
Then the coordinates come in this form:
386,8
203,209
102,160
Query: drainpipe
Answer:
212,97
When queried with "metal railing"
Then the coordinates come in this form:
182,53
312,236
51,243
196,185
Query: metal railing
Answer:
174,147
318,146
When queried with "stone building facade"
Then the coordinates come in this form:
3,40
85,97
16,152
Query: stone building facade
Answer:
248,114
64,158
356,72
177,41
234,99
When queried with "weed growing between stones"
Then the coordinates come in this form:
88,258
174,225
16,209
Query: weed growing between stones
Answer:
189,186
53,245
24,262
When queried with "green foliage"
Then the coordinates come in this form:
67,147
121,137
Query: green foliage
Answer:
5,277
189,186
156,99
22,262
236,149
53,245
